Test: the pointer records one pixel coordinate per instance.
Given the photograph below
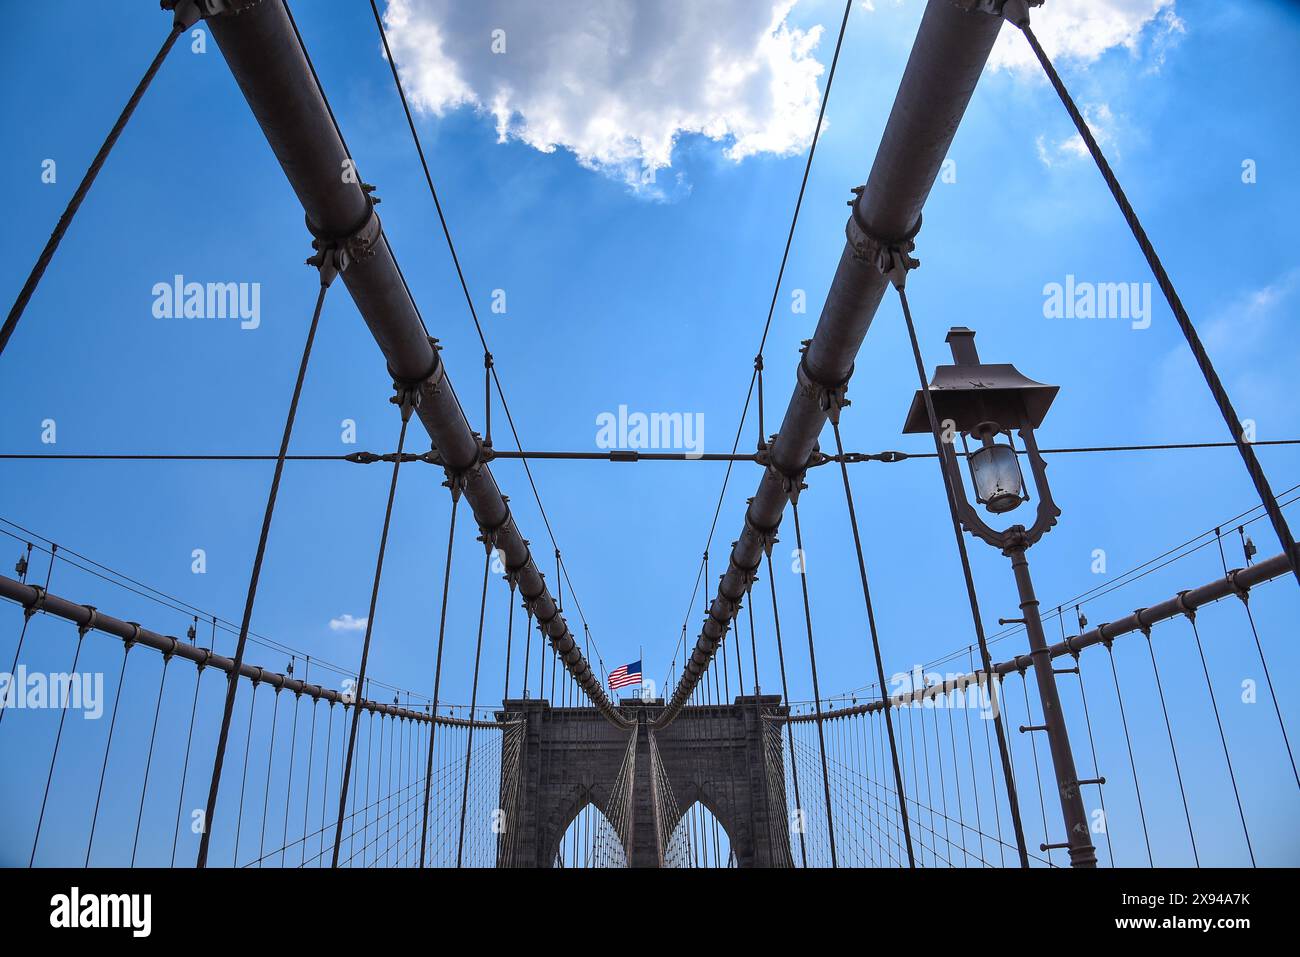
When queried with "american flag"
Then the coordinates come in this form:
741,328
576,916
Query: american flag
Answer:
624,675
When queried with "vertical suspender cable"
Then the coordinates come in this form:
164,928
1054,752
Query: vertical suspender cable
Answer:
232,683
812,661
785,692
437,673
148,763
58,736
185,765
407,406
985,658
1173,748
473,703
1223,738
108,747
875,640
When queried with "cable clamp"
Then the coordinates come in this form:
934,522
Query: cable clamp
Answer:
766,536
409,392
830,398
37,603
129,643
458,479
1142,625
1241,591
189,12
791,484
1188,610
489,535
892,258
91,623
1015,11
335,253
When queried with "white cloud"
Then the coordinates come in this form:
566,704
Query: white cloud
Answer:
1251,344
1250,321
348,623
616,82
1082,30
1100,120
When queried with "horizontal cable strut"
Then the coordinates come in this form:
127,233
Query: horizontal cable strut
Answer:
34,599
613,455
1237,582
951,48
271,65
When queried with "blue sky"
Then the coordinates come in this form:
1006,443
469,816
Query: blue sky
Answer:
654,299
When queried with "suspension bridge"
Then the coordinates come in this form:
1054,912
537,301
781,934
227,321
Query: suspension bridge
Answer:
1024,752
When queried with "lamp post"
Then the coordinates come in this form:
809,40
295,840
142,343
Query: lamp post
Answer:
986,403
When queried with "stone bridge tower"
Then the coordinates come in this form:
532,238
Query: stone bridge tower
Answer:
714,754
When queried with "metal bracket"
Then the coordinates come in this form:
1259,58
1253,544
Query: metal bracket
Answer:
91,622
189,12
407,398
410,392
1142,625
1239,590
37,603
892,258
829,398
335,253
458,479
1015,11
766,536
491,535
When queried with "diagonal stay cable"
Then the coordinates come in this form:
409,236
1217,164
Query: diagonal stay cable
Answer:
1018,15
65,221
